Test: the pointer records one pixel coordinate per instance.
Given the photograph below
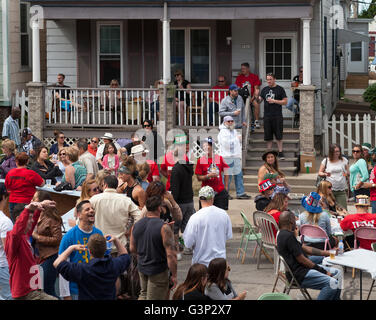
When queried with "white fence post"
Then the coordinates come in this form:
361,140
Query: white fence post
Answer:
21,101
349,135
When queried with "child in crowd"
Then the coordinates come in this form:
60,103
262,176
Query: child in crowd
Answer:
110,158
96,279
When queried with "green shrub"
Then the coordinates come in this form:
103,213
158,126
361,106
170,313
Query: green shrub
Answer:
370,96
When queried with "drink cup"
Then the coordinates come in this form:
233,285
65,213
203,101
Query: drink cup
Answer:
332,254
48,183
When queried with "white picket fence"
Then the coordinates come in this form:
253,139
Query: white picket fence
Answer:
22,101
348,131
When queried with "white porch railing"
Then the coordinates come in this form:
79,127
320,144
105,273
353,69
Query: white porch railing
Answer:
21,100
100,107
348,131
198,107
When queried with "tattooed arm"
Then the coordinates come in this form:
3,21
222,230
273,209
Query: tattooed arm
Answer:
170,247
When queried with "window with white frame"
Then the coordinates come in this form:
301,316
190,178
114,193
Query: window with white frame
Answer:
190,52
109,53
25,35
278,58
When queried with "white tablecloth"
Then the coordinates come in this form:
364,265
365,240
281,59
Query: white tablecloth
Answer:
361,259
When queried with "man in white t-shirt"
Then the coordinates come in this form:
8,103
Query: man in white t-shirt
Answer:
87,159
207,230
5,226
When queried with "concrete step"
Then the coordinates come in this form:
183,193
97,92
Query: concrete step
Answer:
258,152
301,180
252,187
288,143
287,134
257,161
289,171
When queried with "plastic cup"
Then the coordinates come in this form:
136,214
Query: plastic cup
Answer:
332,254
48,183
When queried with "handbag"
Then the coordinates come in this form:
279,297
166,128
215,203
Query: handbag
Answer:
63,186
319,178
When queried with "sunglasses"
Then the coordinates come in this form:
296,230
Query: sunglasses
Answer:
94,141
356,151
147,125
230,121
221,81
96,189
330,187
62,154
62,137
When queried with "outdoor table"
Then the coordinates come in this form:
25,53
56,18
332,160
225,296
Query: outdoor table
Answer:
65,200
361,259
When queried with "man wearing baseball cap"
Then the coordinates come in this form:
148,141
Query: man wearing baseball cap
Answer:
233,105
266,188
30,143
208,230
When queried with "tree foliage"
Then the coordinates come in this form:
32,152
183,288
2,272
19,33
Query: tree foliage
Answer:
369,13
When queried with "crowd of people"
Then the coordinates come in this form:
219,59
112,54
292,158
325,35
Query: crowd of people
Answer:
135,215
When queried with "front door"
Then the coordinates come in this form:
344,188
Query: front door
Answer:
278,55
355,57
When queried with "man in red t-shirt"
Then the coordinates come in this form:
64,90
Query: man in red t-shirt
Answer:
25,280
360,219
209,169
215,98
248,78
93,146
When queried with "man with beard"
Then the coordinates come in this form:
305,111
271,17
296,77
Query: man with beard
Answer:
233,105
230,149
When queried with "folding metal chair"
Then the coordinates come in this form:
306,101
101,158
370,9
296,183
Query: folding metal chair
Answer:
314,232
373,246
292,284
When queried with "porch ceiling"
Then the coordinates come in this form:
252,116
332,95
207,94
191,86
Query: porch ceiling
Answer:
177,9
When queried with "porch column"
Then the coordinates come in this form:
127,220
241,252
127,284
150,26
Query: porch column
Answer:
36,51
166,47
36,104
306,52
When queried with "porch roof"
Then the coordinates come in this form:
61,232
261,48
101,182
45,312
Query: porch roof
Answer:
177,9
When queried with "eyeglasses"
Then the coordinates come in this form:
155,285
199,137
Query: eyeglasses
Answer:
147,125
62,154
96,189
230,121
356,151
62,137
94,141
221,81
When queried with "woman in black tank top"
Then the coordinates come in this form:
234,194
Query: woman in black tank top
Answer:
131,186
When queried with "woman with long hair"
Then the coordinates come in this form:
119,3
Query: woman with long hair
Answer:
143,172
47,236
277,205
193,288
44,167
62,162
314,215
270,166
328,201
219,286
131,184
335,169
358,172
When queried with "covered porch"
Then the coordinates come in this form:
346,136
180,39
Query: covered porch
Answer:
139,45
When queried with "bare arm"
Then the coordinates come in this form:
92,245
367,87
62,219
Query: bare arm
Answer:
132,244
65,255
169,244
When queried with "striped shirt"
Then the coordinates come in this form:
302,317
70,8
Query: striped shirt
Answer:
11,130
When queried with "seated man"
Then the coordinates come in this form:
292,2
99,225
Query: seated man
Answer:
295,99
266,188
306,271
360,219
216,97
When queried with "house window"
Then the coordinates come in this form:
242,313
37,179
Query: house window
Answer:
356,51
278,58
109,53
25,35
190,52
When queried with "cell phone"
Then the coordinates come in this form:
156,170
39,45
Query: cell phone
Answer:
143,139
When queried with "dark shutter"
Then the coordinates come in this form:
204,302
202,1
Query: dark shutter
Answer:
84,65
134,71
151,48
223,49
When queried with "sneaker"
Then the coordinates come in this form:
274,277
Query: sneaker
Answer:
187,251
252,128
281,156
244,196
179,256
257,124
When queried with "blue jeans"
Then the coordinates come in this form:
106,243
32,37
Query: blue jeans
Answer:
235,170
5,293
329,286
49,275
290,104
